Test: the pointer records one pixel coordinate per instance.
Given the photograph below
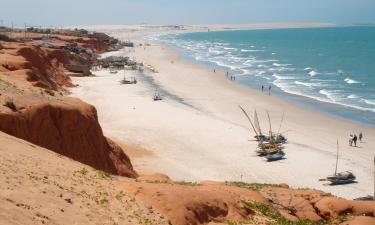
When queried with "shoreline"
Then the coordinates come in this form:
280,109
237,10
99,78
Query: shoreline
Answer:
210,140
335,110
303,101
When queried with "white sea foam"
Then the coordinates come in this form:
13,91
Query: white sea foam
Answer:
251,50
313,73
280,64
282,69
329,94
370,102
229,48
351,81
273,53
352,96
278,77
307,68
305,84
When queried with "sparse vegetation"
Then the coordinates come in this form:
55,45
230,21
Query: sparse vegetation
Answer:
83,171
103,174
251,186
187,183
49,92
120,195
102,200
342,218
10,104
275,217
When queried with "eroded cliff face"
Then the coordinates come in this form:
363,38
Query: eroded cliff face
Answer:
41,66
69,128
33,107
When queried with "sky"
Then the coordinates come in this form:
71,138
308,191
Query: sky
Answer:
166,12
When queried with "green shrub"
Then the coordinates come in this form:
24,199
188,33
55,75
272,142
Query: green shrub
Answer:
10,104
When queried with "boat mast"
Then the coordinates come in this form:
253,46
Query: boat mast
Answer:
247,116
281,122
337,156
269,120
256,122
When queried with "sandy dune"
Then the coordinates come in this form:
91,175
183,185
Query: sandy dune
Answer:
198,132
39,186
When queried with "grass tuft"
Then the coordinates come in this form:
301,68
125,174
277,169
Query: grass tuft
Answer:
275,217
251,186
120,195
83,171
187,183
102,201
10,104
49,92
103,174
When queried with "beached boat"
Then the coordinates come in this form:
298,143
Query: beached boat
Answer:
275,156
125,81
345,177
157,97
111,71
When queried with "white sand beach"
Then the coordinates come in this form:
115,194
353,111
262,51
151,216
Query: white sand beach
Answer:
197,132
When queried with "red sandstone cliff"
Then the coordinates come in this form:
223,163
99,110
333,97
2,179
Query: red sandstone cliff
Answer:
70,128
41,66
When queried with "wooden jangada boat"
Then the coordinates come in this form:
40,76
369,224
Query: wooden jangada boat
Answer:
345,177
125,81
269,146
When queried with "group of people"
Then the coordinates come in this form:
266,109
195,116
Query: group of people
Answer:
231,77
269,89
353,139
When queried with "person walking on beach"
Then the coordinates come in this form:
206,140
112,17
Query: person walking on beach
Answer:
360,136
262,88
269,90
227,73
351,140
355,140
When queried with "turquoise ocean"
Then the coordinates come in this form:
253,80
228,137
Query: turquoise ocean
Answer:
331,70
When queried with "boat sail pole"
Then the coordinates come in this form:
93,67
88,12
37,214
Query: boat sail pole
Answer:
337,157
281,122
247,116
269,120
256,122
